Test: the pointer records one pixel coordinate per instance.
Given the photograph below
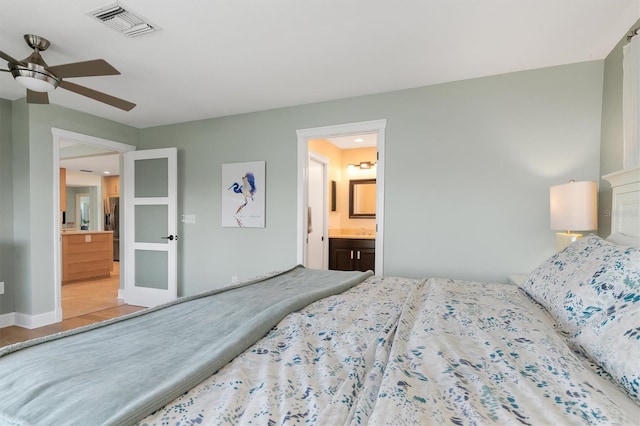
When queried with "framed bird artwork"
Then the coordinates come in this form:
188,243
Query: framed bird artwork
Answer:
243,194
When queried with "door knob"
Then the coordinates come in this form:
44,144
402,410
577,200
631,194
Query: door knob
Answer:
170,237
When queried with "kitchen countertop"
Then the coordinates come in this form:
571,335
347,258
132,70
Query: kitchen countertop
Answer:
76,231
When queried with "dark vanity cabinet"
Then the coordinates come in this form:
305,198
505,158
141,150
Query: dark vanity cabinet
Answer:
351,254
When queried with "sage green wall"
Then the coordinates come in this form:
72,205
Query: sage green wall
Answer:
611,148
33,192
20,285
468,170
6,207
468,166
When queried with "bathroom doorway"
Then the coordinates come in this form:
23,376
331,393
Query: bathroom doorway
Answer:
352,131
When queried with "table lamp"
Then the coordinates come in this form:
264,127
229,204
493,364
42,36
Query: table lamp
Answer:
573,207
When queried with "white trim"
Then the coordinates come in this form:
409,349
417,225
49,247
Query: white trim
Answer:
623,177
304,135
7,320
59,135
27,321
35,321
625,202
91,140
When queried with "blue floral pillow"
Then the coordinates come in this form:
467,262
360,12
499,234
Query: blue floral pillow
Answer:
615,345
592,289
585,282
612,338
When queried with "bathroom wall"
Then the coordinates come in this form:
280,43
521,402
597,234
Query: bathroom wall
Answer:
341,173
355,156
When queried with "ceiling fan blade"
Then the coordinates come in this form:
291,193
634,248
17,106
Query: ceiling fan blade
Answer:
11,59
5,70
98,96
92,68
37,97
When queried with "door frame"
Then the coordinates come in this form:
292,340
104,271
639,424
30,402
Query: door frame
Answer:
358,128
324,161
67,135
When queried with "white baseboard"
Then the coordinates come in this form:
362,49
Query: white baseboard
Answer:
121,293
7,320
35,321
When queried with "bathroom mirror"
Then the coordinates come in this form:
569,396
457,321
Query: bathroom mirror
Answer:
362,199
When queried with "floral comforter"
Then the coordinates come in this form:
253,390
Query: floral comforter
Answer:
401,351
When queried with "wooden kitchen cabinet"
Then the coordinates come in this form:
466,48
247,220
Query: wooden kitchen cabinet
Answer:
86,255
351,254
111,186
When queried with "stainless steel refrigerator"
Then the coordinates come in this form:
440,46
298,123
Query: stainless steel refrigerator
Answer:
112,223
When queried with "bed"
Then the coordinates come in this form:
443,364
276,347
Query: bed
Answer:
328,347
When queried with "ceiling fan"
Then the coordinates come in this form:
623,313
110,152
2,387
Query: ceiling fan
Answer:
40,78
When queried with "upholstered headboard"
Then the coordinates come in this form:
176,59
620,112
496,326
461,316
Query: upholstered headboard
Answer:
625,206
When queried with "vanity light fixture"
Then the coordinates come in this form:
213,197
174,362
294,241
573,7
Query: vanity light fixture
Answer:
363,165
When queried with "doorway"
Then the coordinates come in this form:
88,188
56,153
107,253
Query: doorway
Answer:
87,144
376,127
83,210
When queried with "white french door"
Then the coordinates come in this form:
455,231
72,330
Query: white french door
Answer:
150,206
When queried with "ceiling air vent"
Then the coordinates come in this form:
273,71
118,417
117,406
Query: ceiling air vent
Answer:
123,20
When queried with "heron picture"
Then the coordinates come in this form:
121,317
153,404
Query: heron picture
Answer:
243,194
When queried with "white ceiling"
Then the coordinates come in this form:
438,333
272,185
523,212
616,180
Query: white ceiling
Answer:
97,165
356,141
94,160
214,58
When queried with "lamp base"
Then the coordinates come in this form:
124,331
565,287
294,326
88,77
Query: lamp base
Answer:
563,239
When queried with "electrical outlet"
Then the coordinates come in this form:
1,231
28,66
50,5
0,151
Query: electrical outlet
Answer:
2,287
234,279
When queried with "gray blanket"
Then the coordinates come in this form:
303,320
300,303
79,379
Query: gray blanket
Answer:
119,371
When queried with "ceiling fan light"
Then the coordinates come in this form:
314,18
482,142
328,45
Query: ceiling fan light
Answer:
35,84
33,79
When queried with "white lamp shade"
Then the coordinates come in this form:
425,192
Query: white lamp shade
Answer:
574,206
